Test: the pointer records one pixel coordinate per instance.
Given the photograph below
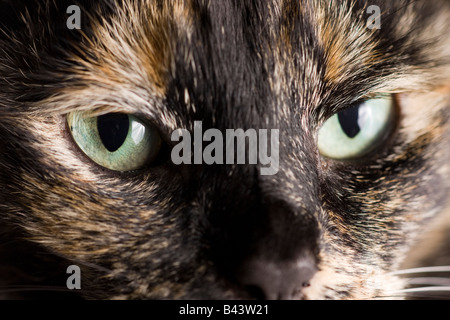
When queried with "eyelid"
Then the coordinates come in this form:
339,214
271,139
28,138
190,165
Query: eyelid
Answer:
157,123
326,112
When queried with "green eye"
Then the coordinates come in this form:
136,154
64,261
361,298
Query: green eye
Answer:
116,141
353,133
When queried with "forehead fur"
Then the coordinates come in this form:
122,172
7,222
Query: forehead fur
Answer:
144,48
135,46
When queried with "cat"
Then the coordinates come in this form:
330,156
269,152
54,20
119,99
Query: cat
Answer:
87,178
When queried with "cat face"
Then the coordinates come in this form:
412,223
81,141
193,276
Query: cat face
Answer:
362,116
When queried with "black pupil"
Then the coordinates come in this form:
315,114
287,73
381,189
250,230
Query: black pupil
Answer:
349,121
113,130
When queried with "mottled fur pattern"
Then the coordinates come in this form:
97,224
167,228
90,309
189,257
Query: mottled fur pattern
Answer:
187,231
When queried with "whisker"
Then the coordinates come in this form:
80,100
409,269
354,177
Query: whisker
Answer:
431,292
414,296
423,289
93,266
429,280
87,264
421,270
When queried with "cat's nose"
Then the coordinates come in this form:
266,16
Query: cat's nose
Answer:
276,281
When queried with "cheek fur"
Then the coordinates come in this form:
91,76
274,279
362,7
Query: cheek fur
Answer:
183,232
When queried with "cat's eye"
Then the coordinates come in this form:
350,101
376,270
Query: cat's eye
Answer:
116,141
354,133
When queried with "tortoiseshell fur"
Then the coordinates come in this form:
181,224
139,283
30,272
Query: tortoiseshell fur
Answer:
186,232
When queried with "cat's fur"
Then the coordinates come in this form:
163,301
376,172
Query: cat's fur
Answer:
199,231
